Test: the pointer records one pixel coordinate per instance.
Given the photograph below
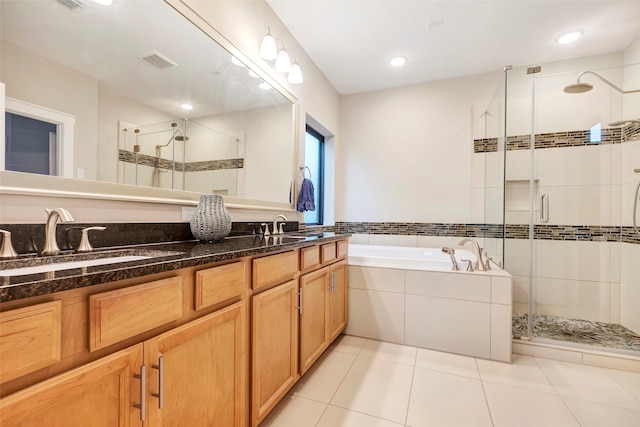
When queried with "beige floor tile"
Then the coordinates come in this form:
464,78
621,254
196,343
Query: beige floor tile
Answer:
629,380
439,399
322,380
514,406
588,383
295,411
448,363
376,387
348,344
591,414
395,353
339,417
523,372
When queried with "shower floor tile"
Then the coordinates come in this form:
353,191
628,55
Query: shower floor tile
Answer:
585,332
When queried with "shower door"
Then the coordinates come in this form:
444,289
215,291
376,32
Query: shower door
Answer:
580,285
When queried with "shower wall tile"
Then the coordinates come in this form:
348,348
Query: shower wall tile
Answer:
359,239
614,303
629,303
630,262
516,256
478,170
381,316
573,260
521,292
438,241
573,299
578,204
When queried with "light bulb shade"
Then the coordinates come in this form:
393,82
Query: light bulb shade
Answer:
283,63
268,48
295,74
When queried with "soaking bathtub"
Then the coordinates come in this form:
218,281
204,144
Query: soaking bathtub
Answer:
411,296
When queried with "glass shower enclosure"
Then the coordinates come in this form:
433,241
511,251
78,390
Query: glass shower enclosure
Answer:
560,177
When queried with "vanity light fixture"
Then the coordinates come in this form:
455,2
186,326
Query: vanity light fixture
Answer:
268,48
283,62
295,74
569,36
186,106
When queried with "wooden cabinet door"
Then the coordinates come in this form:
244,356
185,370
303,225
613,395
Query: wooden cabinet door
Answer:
313,319
99,394
275,347
197,372
338,299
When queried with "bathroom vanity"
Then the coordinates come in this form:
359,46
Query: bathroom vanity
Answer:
211,334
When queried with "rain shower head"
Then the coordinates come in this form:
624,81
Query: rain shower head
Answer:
579,87
181,138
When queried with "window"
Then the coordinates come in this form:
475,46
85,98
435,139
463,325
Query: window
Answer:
314,162
30,145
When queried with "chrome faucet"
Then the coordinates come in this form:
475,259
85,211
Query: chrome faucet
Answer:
277,230
481,266
50,243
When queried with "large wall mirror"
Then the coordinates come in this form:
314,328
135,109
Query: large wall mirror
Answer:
119,75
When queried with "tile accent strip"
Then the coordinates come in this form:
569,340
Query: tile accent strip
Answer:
574,138
587,233
208,165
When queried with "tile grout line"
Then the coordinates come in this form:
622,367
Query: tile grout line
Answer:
564,402
484,392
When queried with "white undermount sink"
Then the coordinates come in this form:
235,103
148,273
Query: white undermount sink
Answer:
19,271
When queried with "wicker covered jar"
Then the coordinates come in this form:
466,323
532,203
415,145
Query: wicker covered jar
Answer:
210,221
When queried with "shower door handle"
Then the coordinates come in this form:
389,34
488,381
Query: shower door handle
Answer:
544,208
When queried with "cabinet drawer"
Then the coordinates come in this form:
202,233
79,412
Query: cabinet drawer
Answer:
328,252
218,284
343,248
29,339
274,268
117,315
309,258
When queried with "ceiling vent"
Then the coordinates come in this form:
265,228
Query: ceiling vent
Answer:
72,4
157,60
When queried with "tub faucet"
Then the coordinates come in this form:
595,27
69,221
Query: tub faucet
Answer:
481,265
277,230
50,244
451,253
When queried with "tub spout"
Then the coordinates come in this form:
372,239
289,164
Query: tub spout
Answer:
451,253
481,265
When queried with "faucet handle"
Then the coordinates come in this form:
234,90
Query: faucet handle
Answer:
281,228
266,229
469,264
84,245
6,250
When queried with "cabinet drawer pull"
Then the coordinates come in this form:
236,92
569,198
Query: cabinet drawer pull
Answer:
160,393
143,392
299,307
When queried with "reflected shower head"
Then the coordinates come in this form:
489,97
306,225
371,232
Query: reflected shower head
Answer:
182,138
623,122
579,87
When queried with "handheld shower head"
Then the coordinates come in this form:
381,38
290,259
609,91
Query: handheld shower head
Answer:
579,87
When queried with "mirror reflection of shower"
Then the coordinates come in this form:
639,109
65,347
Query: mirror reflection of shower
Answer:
178,135
635,205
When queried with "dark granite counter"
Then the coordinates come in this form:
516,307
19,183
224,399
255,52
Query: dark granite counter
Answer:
163,257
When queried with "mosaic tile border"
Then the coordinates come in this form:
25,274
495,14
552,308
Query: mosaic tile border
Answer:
582,233
575,138
207,165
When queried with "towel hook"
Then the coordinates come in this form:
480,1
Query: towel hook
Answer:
302,169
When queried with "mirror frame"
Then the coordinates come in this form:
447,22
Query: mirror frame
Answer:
26,184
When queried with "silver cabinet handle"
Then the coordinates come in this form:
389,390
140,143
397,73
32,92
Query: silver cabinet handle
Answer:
333,281
160,393
143,392
299,307
544,208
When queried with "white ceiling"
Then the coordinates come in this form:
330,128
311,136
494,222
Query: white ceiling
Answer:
351,41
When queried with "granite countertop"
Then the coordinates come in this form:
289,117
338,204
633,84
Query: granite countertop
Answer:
162,257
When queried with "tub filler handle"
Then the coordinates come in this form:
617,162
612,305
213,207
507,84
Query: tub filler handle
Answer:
469,264
451,253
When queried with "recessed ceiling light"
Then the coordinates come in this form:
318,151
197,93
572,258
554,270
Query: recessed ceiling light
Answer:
186,106
264,86
397,62
569,36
